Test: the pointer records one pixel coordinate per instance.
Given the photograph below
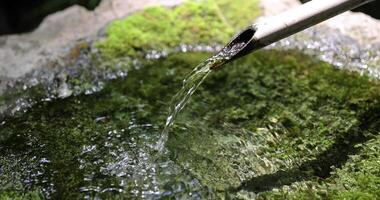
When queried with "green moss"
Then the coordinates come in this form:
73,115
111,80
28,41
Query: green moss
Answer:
238,14
360,175
20,196
158,28
274,125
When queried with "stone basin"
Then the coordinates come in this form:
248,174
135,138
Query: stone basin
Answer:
299,119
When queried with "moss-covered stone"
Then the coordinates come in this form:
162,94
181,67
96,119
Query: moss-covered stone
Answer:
358,178
20,196
273,125
194,22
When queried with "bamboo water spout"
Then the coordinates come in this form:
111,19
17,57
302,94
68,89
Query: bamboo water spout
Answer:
270,30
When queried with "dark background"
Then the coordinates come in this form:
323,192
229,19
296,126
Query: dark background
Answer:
19,16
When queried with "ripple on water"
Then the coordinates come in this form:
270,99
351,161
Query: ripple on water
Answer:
240,125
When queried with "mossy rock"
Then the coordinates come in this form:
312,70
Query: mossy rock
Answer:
20,195
193,22
273,125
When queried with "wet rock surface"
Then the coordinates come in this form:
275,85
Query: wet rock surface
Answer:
265,122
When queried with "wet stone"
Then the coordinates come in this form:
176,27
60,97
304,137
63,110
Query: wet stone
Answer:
268,125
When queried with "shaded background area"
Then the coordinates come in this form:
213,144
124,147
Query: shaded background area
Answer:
372,9
25,15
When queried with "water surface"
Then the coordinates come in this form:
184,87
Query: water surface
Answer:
263,122
194,80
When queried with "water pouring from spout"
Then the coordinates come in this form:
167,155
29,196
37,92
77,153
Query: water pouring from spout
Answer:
255,37
197,76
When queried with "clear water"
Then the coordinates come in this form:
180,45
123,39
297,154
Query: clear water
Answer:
191,83
242,134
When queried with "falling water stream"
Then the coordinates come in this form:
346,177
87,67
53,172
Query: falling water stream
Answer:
193,81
